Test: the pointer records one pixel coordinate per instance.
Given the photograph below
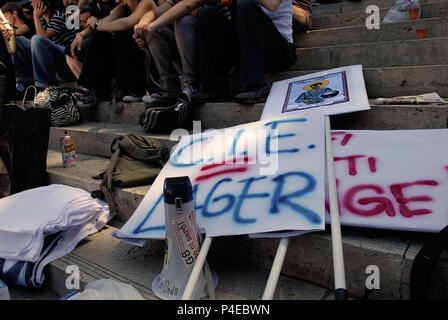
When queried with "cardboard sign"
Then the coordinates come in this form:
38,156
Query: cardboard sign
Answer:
327,92
261,177
392,179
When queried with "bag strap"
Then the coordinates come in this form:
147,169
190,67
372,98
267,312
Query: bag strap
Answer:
106,185
424,263
24,97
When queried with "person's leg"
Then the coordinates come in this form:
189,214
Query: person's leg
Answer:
47,58
23,63
164,50
217,42
186,40
74,65
98,65
130,66
262,49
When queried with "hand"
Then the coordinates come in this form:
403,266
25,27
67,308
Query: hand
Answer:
39,9
148,33
76,44
141,43
8,33
91,22
138,31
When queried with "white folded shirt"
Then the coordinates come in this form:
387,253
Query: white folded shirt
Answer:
27,217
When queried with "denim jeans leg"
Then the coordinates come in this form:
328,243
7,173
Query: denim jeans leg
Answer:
46,57
23,63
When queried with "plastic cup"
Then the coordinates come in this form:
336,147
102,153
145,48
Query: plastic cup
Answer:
421,33
413,13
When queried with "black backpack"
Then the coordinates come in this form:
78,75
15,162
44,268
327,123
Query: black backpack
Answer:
165,118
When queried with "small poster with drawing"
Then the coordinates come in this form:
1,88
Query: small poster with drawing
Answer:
330,92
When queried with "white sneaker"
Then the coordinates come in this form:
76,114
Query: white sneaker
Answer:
150,98
132,98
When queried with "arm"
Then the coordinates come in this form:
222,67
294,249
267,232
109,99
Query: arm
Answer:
128,22
271,5
22,30
38,11
83,3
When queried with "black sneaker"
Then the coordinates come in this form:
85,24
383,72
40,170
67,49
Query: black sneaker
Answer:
252,96
165,100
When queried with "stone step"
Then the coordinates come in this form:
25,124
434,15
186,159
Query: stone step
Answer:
371,55
431,9
102,256
95,138
223,115
308,258
353,6
393,81
437,27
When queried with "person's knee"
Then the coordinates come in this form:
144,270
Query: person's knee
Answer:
37,41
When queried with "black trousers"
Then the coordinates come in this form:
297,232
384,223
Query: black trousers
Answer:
251,36
113,56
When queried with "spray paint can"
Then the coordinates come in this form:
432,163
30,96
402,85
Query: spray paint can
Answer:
182,242
68,151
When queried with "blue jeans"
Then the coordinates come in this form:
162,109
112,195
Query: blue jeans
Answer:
23,63
48,60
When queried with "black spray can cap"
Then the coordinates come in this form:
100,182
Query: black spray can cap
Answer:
177,187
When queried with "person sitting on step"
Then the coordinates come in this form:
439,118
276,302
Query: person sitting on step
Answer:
43,58
261,29
170,41
113,53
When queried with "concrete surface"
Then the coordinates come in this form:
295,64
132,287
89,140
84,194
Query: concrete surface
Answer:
431,9
103,256
370,55
437,27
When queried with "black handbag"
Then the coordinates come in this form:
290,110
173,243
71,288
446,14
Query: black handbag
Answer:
24,135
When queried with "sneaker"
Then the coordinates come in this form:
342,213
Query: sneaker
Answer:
132,96
86,98
150,98
252,96
162,101
189,89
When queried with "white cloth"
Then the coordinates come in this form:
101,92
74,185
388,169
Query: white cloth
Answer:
282,19
27,217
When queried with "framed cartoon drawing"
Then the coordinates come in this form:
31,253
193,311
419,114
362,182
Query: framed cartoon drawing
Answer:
329,92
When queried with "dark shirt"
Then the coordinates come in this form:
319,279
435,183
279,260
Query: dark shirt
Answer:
104,8
31,26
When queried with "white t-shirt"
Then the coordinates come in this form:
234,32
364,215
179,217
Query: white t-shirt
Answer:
27,217
282,19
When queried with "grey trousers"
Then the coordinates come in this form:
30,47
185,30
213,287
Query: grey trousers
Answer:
173,43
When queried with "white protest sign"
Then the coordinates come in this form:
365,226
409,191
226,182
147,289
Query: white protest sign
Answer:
259,177
328,92
392,179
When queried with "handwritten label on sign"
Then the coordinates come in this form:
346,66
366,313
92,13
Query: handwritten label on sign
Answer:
260,177
392,179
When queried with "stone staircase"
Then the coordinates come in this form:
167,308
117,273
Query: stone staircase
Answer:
395,63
